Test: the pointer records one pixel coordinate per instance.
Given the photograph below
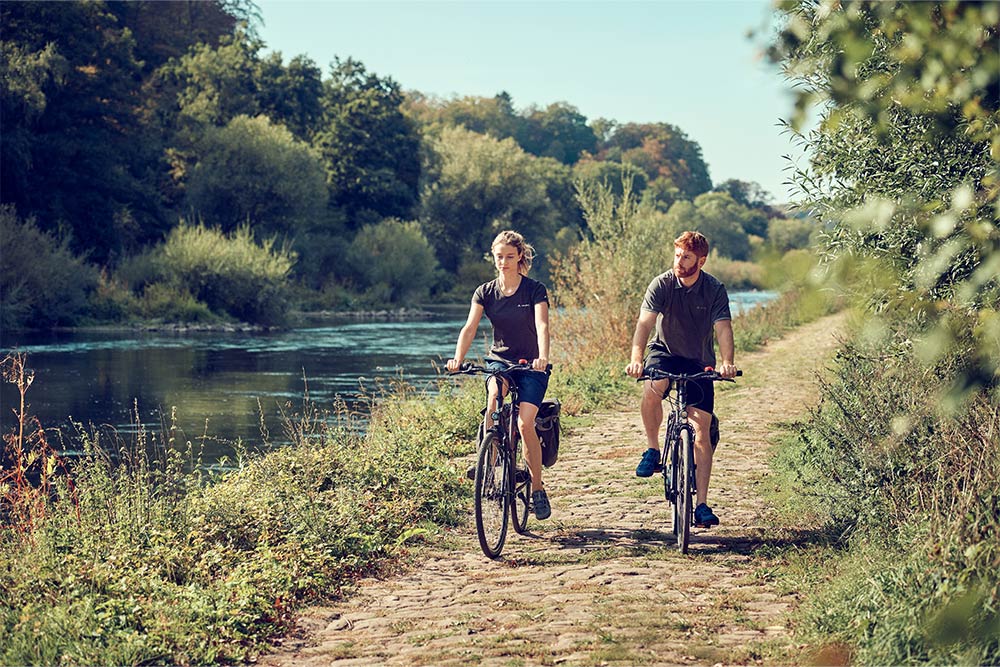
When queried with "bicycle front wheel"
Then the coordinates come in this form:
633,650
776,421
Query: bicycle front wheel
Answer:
492,503
682,506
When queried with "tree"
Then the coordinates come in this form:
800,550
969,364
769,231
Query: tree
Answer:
719,218
905,158
611,175
663,151
212,85
292,95
475,186
559,131
255,172
370,149
751,195
77,155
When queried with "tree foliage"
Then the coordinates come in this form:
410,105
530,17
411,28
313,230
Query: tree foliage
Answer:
663,151
253,172
75,151
905,159
475,186
371,150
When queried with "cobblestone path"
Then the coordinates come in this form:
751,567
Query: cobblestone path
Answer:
601,582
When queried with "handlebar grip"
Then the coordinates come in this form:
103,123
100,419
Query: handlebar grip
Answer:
739,373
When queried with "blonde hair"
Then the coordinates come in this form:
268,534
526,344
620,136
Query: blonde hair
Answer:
512,238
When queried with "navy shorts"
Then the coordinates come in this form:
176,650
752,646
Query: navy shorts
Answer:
531,385
701,393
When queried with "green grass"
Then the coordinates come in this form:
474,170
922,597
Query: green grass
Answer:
903,566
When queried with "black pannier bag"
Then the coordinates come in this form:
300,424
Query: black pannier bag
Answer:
547,426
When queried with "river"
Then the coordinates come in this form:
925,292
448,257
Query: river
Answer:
222,384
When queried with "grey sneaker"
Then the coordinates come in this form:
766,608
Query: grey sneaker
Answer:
540,503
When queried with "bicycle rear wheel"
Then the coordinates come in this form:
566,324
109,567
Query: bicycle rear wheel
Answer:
682,505
492,504
522,491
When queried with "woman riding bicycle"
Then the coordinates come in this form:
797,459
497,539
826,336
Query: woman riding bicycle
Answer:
518,309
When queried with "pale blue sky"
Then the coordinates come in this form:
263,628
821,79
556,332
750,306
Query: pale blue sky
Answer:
677,61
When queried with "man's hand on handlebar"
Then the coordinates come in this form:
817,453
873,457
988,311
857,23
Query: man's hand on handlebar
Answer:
727,370
453,365
634,369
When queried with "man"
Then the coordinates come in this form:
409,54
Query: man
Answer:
687,306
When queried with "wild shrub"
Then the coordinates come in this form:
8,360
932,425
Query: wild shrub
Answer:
42,283
394,262
231,274
911,489
140,555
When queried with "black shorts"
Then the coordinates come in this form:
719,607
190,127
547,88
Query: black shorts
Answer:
701,393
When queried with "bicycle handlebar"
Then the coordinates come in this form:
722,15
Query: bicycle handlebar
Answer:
472,369
708,374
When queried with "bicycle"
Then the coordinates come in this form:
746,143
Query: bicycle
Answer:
502,480
677,454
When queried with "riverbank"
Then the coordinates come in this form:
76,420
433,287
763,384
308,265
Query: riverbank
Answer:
601,582
197,566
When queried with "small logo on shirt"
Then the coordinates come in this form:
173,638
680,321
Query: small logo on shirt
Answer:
524,305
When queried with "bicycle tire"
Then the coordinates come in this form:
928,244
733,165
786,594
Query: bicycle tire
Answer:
492,503
522,491
667,464
682,507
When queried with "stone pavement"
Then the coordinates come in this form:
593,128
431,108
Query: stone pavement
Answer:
601,582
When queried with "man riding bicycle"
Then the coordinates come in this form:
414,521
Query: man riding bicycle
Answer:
687,306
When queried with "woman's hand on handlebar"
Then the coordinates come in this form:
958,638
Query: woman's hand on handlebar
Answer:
453,365
540,364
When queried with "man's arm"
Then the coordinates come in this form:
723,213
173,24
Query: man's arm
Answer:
727,348
645,323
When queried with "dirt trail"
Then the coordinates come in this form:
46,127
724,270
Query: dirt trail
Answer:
601,582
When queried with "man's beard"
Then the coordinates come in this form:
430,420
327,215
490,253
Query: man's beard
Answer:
684,273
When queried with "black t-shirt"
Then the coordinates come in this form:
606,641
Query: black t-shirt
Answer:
513,318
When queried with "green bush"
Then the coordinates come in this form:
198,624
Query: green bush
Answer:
911,490
42,284
230,274
169,304
394,261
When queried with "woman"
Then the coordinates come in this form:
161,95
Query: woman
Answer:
518,309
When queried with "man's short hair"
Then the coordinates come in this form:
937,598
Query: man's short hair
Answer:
694,242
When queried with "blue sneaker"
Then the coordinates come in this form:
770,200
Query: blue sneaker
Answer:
650,463
704,517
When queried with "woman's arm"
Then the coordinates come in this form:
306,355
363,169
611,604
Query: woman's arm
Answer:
466,336
542,329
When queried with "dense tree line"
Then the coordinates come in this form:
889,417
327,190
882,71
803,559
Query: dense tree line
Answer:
123,121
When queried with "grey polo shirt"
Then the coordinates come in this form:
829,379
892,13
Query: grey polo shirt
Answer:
687,315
